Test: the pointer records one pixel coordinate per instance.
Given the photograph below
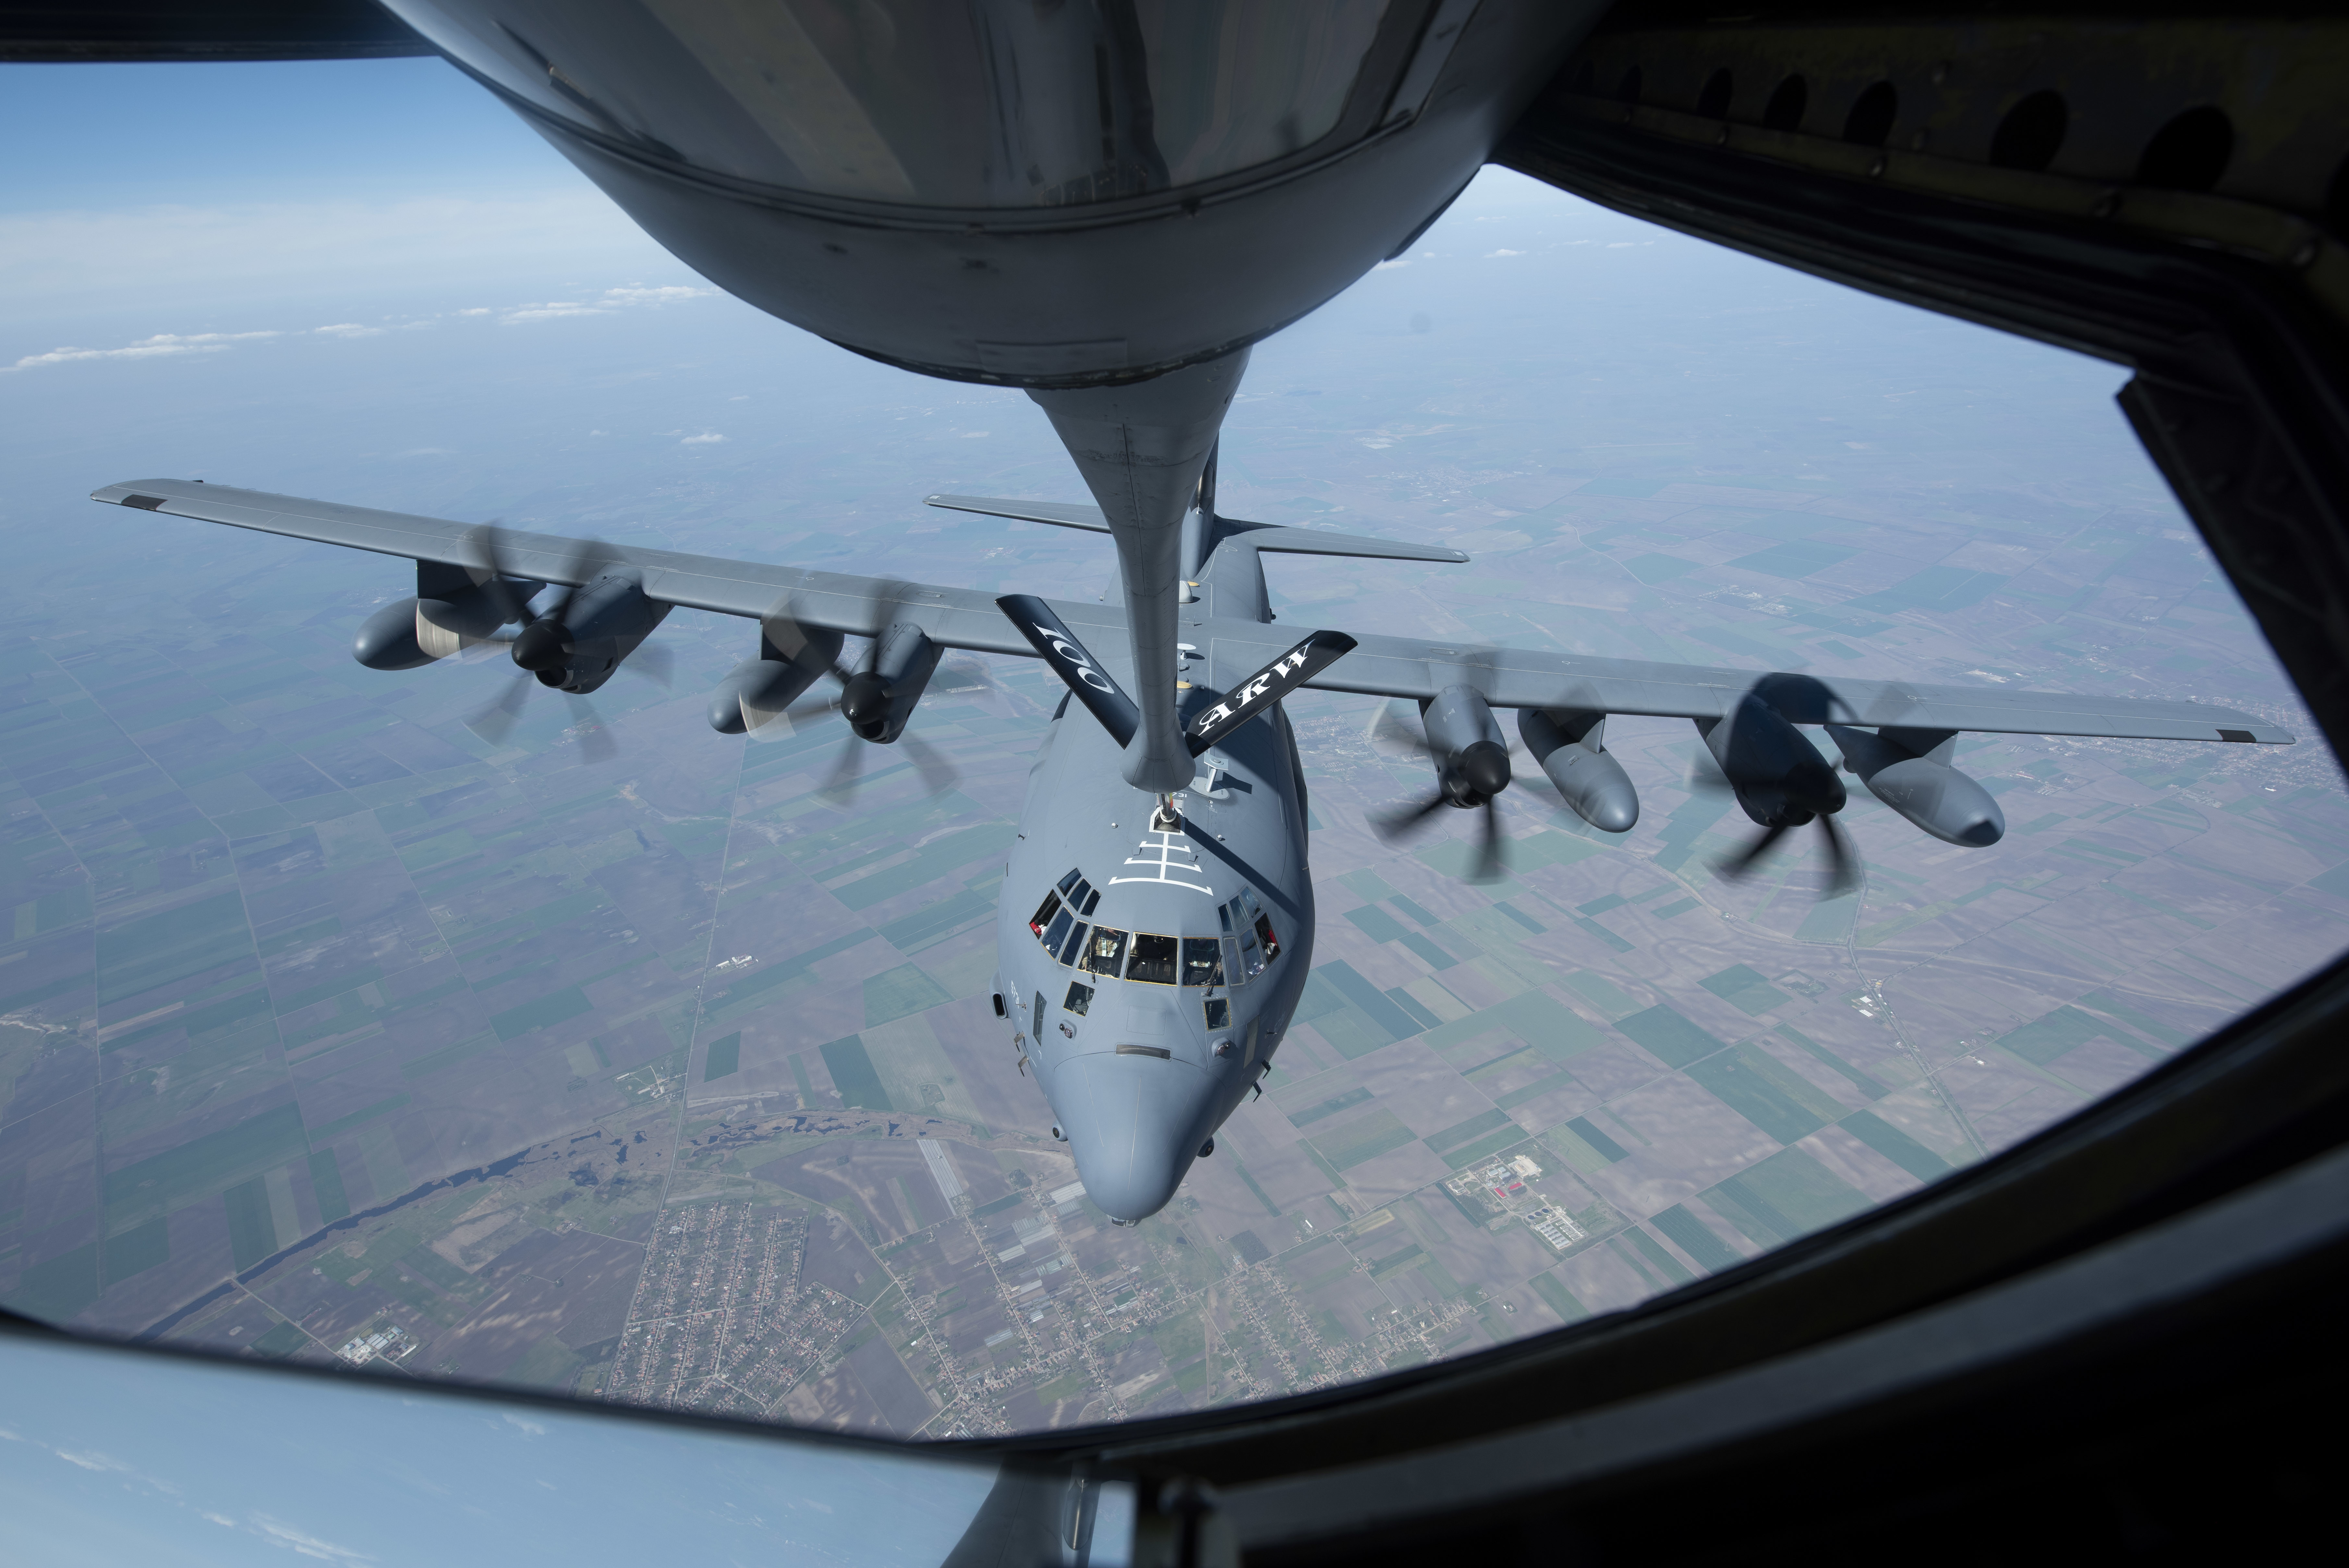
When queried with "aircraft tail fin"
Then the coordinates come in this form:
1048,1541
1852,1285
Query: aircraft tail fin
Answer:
1273,536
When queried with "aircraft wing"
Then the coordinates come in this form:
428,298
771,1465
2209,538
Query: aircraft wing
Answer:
1379,666
1519,678
956,617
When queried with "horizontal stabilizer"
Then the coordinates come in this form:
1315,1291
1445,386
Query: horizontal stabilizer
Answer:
1058,514
1273,536
1266,686
1078,669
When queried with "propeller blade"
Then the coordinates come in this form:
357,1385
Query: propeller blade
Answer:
653,661
490,559
1843,862
1492,858
596,742
847,772
1402,820
963,673
1706,777
802,714
1387,728
1739,864
495,722
783,630
938,773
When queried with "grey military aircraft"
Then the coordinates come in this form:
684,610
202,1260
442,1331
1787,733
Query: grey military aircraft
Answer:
1153,942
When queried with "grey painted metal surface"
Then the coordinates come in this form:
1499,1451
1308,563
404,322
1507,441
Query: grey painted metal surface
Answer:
1238,643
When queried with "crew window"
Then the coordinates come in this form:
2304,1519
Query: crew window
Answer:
1153,961
1070,880
1044,913
1057,933
1271,942
1235,972
1036,1023
1092,896
1219,1012
1251,954
1074,945
1080,998
1203,961
1106,952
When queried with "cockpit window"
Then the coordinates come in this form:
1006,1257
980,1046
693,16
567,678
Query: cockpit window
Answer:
1203,961
1219,1012
1074,876
1074,944
1105,953
1080,997
1086,897
1044,913
1263,934
1153,960
1250,958
1057,933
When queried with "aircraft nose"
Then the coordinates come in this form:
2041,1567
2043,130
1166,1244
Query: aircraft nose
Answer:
1135,1123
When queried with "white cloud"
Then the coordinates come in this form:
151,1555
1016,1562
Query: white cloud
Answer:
669,293
254,251
277,1532
220,1519
91,1461
1490,254
533,1428
1390,266
610,300
163,343
705,439
174,343
975,435
551,310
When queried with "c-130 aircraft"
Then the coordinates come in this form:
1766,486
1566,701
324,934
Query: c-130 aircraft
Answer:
1153,944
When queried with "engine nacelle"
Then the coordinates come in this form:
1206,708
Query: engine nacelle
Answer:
880,699
607,620
452,612
386,640
757,689
1570,746
1779,776
1471,755
1910,771
448,624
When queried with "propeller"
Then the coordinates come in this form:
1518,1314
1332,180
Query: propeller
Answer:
1475,777
862,696
1706,777
541,643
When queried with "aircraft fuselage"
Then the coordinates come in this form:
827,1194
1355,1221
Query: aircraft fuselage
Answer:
1147,977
